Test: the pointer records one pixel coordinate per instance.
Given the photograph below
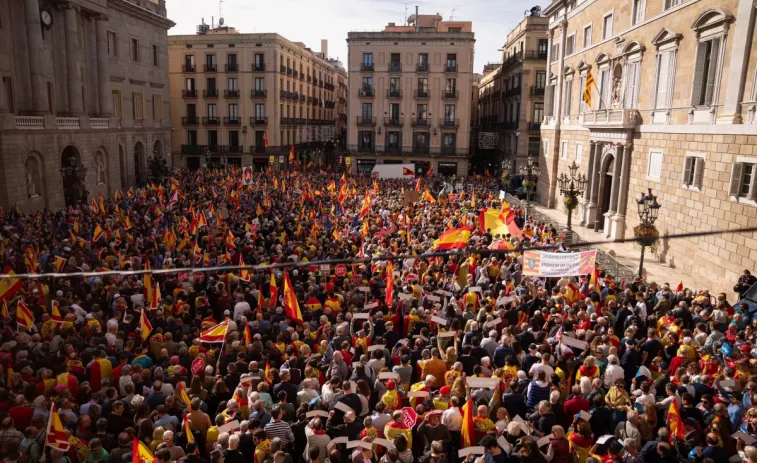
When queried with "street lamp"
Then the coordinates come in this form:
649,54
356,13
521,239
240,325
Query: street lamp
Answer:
646,233
571,188
530,173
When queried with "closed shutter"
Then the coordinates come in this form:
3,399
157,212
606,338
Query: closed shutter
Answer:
568,95
632,83
661,100
581,103
696,93
686,170
712,71
736,172
604,88
699,173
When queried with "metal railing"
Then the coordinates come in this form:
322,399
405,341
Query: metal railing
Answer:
211,120
366,67
232,121
420,122
258,121
537,91
534,126
231,93
258,67
366,92
189,93
421,149
450,68
395,66
421,93
192,149
189,67
397,93
394,121
190,120
450,95
211,68
366,121
212,93
232,67
258,93
449,123
421,67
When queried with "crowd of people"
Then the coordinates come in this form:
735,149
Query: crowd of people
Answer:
387,357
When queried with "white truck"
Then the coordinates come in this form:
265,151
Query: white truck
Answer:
382,171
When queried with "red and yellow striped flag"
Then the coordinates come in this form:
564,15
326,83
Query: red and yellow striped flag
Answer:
56,434
586,97
455,238
187,429
60,263
55,312
183,394
24,316
291,306
468,430
216,333
145,327
140,453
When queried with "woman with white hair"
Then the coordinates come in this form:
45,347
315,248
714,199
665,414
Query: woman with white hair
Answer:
613,372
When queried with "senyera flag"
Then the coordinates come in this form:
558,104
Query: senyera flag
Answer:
216,333
455,238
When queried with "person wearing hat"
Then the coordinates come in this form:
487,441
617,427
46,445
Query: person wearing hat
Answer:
441,398
391,398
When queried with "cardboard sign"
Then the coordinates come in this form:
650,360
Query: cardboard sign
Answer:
504,444
439,320
377,347
748,440
386,443
229,427
358,443
325,268
317,413
584,415
543,441
501,194
409,417
727,383
343,407
370,306
402,341
572,342
474,289
365,289
488,383
433,298
443,292
418,394
360,316
405,297
388,375
462,453
447,334
338,440
494,322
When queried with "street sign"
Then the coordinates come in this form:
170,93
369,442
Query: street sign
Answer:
340,270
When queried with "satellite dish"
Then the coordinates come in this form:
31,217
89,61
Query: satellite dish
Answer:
220,22
411,19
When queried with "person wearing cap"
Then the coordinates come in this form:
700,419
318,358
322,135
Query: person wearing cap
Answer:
391,398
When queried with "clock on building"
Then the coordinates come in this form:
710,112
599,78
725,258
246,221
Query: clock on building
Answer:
47,18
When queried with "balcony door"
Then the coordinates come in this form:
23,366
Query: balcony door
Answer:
367,111
394,112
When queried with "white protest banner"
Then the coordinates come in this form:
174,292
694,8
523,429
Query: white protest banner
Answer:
358,443
338,440
573,342
474,289
317,413
388,375
439,320
506,300
325,268
383,442
370,306
433,298
488,383
405,297
544,440
402,341
462,453
443,292
417,394
504,444
446,334
360,316
230,427
727,383
584,415
377,347
501,194
365,289
558,264
494,322
343,407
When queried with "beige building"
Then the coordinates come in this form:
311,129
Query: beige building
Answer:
409,98
84,98
232,91
673,109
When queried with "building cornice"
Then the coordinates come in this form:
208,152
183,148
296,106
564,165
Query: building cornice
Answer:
141,13
417,36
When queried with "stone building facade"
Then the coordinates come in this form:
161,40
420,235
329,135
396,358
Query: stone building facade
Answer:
84,101
231,91
409,98
673,109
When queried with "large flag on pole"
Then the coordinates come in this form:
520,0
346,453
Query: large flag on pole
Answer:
468,430
216,333
24,316
140,453
586,97
274,292
145,327
455,238
56,434
291,306
389,283
9,286
675,422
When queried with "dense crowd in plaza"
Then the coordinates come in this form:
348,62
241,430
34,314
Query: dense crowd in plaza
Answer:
370,358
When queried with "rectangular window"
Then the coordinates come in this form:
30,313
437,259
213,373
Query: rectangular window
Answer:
367,111
541,79
665,79
706,72
259,61
637,15
394,111
555,51
568,97
154,55
604,87
570,45
210,62
581,102
423,60
538,112
564,150
189,84
394,84
451,86
671,3
191,137
138,102
213,138
587,36
134,50
112,44
212,111
191,111
117,107
743,180
449,113
534,143
157,107
654,166
367,83
259,83
607,26
232,83
631,96
542,47
211,85
693,171
579,153
368,59
259,111
423,85
233,111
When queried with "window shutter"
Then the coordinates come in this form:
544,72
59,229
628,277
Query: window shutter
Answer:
662,79
712,71
632,81
686,169
568,97
738,169
696,93
699,172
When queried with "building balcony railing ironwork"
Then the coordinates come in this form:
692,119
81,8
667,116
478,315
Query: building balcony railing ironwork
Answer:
211,120
447,123
394,121
258,148
366,121
366,67
392,149
210,93
309,79
232,120
534,126
366,92
295,96
421,94
256,120
189,93
283,69
255,94
395,66
451,68
231,93
450,151
211,68
234,149
449,95
421,149
189,68
232,67
420,122
295,74
396,93
190,120
289,72
330,87
537,91
286,121
421,67
302,76
302,98
258,67
193,149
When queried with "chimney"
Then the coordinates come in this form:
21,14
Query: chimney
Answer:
416,19
325,48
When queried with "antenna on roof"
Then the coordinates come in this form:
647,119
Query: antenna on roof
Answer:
220,13
452,16
406,14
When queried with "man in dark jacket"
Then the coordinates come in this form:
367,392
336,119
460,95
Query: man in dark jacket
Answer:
543,419
514,402
630,362
351,427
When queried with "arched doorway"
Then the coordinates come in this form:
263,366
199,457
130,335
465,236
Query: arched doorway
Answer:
74,175
605,187
139,156
122,166
156,163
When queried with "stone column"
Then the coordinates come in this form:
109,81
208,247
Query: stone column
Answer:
4,106
594,155
103,67
601,185
587,192
736,74
625,180
75,102
36,57
616,179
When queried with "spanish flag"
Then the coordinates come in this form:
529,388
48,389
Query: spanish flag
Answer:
291,306
187,429
455,238
247,335
9,286
679,288
97,234
265,139
55,312
332,186
468,430
429,197
183,394
216,333
366,205
389,283
418,185
675,422
267,373
140,453
100,369
406,171
59,263
571,293
274,291
587,89
4,309
56,434
494,222
145,327
291,154
313,304
24,316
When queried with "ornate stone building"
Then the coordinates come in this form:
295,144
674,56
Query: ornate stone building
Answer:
84,98
673,109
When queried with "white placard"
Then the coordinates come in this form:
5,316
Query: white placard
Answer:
337,440
433,298
343,407
370,306
402,341
365,289
443,292
573,342
377,347
462,453
605,438
489,383
447,334
325,268
317,413
439,320
229,427
727,383
358,443
418,394
544,440
388,375
501,195
504,444
360,316
494,322
558,264
474,289
383,442
584,415
748,440
405,297
506,300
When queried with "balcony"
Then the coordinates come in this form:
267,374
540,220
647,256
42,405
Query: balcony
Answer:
233,120
309,79
232,67
210,93
420,122
283,69
394,121
513,92
397,93
421,149
366,121
259,121
421,94
395,66
366,92
189,93
189,68
450,95
258,67
286,121
256,94
283,94
211,68
611,119
234,149
295,74
190,120
392,149
294,96
211,121
534,126
451,68
231,93
289,72
446,123
421,67
302,76
192,149
452,151
537,91
366,67
302,98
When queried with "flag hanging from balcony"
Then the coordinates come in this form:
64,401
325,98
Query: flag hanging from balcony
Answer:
587,89
265,139
291,154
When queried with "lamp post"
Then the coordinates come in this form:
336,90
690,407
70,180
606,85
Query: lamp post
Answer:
530,173
646,233
571,188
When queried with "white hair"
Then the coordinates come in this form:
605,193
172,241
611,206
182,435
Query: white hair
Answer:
168,435
586,385
554,396
233,440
